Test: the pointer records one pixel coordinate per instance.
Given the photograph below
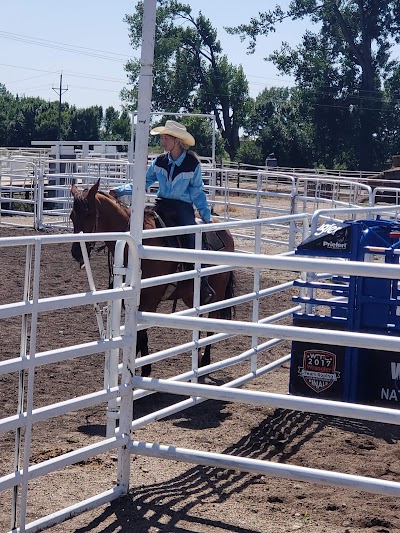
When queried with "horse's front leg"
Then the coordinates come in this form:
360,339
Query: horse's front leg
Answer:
142,347
205,358
149,300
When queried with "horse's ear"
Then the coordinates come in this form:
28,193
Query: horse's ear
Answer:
93,189
74,190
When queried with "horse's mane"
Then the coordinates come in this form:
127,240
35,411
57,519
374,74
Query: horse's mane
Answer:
149,219
120,205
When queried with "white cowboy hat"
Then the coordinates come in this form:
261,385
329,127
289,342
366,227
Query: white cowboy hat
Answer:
175,129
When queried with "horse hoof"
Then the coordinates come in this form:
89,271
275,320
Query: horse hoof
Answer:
146,371
205,360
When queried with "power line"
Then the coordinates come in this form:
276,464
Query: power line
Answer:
92,52
26,79
114,91
74,74
121,58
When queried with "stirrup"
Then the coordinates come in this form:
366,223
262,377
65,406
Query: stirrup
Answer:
207,293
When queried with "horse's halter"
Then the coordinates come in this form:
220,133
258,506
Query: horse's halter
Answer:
82,210
91,211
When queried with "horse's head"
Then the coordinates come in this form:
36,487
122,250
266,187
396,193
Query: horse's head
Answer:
83,217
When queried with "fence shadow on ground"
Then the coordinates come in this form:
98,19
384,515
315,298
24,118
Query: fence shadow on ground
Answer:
163,506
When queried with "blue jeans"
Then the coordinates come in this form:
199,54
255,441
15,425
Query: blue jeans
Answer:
183,214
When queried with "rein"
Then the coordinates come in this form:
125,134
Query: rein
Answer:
110,254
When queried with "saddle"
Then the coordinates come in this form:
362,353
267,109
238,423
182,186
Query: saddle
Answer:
165,216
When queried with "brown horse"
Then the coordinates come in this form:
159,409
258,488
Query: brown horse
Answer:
96,211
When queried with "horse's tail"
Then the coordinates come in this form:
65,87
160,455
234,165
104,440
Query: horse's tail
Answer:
227,312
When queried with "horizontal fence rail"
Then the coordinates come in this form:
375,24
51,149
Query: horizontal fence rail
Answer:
123,390
118,326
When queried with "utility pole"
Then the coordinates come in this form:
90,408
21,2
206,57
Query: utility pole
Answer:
60,91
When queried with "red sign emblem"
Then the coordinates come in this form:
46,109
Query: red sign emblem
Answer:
319,369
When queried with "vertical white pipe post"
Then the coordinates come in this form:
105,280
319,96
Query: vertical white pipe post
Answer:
136,228
58,151
258,195
39,198
23,351
130,152
132,144
30,385
213,185
196,303
225,178
213,142
214,163
114,330
256,281
143,121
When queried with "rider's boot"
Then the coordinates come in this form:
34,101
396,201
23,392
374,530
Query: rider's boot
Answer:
207,293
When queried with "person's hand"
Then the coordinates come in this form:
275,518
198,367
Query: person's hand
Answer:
111,192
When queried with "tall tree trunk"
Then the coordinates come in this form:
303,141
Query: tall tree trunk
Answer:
363,55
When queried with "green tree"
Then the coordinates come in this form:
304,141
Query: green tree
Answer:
23,119
280,122
16,135
121,129
110,116
343,64
115,126
46,124
7,109
250,153
190,71
84,124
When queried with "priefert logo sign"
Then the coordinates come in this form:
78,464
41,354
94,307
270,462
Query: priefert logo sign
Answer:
334,245
327,229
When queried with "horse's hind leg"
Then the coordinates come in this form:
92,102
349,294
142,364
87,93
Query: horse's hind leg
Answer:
205,359
142,347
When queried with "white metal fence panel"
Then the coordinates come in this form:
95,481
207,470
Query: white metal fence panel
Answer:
263,333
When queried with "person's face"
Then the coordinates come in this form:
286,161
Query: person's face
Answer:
167,142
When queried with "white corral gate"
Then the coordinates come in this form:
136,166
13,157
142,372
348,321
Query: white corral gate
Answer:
116,342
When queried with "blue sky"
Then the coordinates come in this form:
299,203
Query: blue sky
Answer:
87,42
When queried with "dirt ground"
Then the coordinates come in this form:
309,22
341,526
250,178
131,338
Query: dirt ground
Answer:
172,496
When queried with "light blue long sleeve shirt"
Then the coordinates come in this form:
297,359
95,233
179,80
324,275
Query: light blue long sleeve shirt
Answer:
178,179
